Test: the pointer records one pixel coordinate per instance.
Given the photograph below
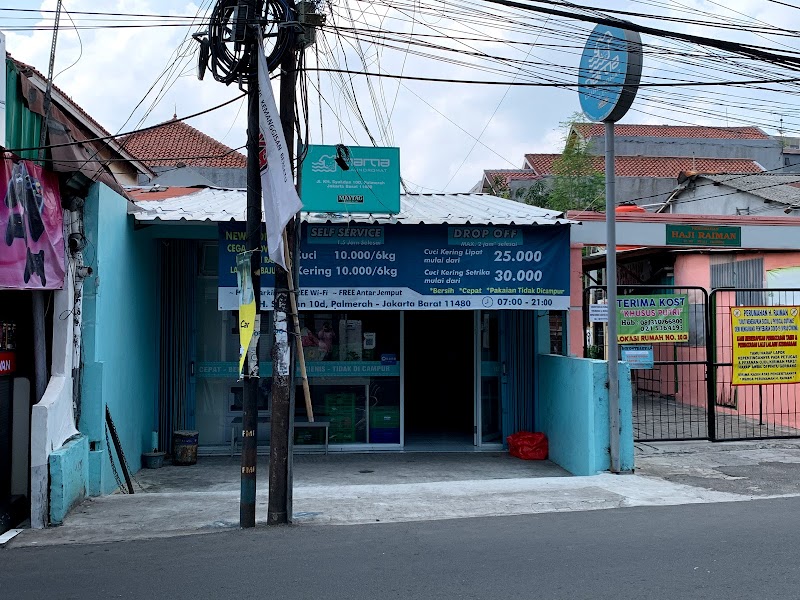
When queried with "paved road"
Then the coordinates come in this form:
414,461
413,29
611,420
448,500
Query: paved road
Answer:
710,551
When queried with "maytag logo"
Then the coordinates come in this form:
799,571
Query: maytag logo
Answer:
349,199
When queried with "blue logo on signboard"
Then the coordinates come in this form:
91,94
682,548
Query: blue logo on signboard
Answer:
610,70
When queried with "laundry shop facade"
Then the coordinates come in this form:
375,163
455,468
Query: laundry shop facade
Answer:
420,330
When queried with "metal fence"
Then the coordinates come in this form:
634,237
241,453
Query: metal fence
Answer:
686,391
670,395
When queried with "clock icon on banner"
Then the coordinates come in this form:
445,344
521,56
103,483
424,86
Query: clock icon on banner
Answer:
487,302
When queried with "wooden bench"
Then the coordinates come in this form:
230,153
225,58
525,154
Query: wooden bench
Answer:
236,429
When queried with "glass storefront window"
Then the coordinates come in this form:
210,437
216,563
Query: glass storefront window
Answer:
353,366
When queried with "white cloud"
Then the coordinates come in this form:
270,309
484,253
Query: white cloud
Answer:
436,125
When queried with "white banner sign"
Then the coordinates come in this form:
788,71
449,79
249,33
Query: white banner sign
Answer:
281,201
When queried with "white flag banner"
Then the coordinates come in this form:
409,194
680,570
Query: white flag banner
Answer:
281,201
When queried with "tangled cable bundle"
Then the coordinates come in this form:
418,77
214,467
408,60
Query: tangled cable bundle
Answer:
230,59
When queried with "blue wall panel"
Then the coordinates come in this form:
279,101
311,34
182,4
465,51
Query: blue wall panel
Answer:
573,413
120,334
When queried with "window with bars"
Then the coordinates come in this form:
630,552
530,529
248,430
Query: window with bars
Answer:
741,274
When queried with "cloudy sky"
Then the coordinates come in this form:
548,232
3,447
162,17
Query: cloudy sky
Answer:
448,133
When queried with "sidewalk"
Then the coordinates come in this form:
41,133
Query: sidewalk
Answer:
359,488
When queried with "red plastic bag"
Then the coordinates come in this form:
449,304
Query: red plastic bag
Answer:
527,445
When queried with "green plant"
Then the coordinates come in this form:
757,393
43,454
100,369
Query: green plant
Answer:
595,352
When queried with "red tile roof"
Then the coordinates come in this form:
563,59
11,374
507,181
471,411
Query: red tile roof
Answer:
160,193
588,130
652,166
176,142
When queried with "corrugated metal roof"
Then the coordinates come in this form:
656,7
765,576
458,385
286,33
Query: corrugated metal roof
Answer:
218,205
777,187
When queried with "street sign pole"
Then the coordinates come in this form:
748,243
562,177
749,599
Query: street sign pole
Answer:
608,79
611,300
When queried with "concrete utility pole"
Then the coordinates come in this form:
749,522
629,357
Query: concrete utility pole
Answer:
281,445
247,496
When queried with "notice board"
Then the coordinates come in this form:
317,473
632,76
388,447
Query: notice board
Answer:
765,347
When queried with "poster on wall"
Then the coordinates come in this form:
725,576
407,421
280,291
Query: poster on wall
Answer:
765,347
416,267
658,318
32,222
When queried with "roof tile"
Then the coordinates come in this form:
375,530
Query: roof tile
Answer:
588,130
652,166
176,142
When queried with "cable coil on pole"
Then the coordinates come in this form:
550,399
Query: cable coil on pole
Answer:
226,46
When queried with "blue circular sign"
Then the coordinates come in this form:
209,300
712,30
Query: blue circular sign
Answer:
610,71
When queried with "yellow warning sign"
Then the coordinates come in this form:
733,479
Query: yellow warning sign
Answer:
765,345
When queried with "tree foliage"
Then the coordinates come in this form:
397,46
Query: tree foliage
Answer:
577,182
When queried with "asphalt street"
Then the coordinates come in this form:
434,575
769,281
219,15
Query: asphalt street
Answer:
726,550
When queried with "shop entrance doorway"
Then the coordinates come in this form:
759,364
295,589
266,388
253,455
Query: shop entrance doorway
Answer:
439,380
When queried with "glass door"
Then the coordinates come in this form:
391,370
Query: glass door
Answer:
488,405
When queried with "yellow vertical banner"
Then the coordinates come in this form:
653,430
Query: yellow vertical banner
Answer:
765,344
247,306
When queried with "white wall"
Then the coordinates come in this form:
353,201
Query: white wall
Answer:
52,418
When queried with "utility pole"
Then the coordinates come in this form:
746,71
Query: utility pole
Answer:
234,32
37,296
281,445
247,495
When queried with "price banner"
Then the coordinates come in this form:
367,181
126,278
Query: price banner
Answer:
416,267
765,347
653,319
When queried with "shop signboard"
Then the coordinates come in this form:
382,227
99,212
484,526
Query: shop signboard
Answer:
765,345
609,72
704,235
369,184
651,319
416,267
8,363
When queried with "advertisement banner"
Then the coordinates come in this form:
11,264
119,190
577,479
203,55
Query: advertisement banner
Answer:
658,318
32,221
416,267
281,201
247,306
765,347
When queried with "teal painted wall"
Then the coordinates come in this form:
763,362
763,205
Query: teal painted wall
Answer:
23,127
573,413
120,335
69,472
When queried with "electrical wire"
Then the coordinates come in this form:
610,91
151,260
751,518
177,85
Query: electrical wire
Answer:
126,133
